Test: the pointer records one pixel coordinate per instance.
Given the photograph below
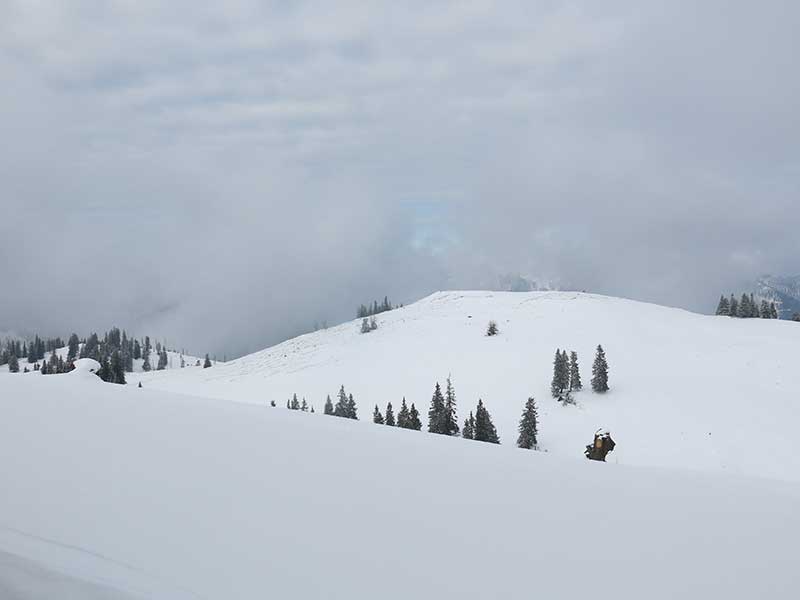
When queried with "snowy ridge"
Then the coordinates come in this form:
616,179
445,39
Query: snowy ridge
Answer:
687,390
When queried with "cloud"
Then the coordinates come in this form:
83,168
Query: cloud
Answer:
227,175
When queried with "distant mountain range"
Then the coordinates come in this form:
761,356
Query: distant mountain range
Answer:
783,290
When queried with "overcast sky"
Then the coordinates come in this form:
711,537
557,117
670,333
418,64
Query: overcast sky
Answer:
225,176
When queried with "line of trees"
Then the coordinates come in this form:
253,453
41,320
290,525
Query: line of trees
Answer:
369,310
442,416
747,307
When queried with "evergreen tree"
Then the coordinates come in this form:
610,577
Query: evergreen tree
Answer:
528,426
162,360
745,311
146,364
373,324
207,362
390,415
484,428
365,326
413,419
45,370
295,404
377,417
724,307
449,417
289,404
137,350
492,329
341,404
436,411
328,410
600,372
304,405
402,416
754,314
469,427
575,383
734,306
560,374
13,364
116,368
766,313
352,410
773,310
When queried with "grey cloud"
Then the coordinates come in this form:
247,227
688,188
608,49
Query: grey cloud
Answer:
224,176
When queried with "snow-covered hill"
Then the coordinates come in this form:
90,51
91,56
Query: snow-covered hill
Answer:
687,390
173,361
784,291
125,493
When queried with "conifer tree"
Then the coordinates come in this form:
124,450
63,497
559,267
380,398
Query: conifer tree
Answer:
162,360
352,410
377,417
137,350
207,362
365,326
734,306
745,310
469,427
402,416
575,383
724,307
765,311
304,405
436,411
289,404
13,364
600,372
413,419
753,307
390,415
484,428
773,310
449,417
560,374
117,368
373,324
146,364
295,405
328,410
528,426
492,329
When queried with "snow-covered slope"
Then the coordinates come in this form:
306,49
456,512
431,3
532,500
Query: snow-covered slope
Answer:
688,390
119,492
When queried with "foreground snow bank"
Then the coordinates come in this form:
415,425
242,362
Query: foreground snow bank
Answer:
155,495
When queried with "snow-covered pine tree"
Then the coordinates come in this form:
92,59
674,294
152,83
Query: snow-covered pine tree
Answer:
373,324
365,326
575,383
289,404
484,428
449,418
304,405
560,374
766,313
529,426
724,307
116,368
328,410
390,415
207,362
734,306
402,415
469,427
295,402
162,360
146,364
414,421
753,307
436,411
352,410
745,311
492,329
72,347
341,404
773,310
377,417
600,372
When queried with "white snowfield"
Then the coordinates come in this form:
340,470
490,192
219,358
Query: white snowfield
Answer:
687,390
116,492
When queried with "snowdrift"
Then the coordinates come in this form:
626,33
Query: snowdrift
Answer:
687,390
120,492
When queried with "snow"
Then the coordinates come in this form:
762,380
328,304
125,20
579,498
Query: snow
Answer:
687,390
118,492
